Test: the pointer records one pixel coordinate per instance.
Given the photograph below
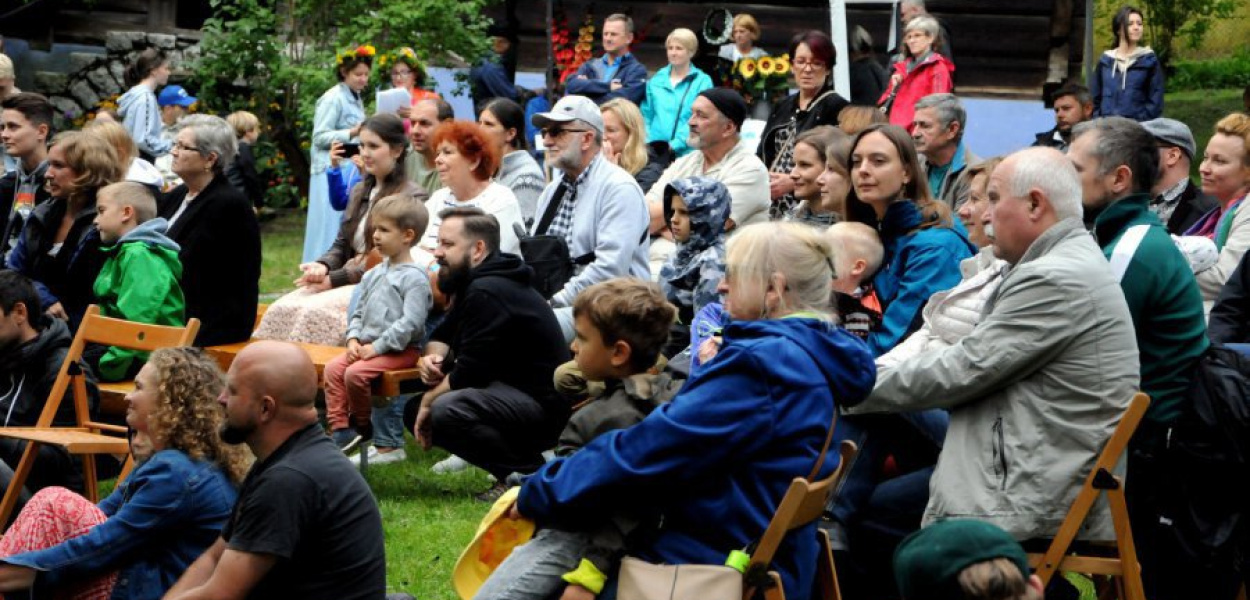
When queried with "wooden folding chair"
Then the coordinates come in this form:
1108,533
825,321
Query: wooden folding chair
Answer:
803,504
1122,568
88,437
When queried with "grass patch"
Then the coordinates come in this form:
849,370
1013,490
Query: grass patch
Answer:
282,246
1201,109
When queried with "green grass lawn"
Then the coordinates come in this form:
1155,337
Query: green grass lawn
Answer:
282,244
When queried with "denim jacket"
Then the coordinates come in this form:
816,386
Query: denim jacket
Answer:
160,520
338,110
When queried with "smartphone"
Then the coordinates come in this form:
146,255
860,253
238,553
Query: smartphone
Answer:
350,150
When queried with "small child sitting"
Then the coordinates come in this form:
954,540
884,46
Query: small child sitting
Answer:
696,209
857,254
387,324
621,326
139,279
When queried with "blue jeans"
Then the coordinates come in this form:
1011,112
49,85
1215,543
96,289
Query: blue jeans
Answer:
533,570
388,424
913,439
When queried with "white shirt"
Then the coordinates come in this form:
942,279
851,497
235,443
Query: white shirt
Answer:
495,200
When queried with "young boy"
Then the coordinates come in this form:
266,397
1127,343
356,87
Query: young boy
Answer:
139,279
696,209
857,255
386,326
621,326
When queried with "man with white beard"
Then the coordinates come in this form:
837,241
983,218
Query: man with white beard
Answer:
596,206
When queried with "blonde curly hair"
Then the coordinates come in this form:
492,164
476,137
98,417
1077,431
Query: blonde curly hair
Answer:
187,416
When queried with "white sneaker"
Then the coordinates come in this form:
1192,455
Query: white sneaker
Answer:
355,458
380,458
451,464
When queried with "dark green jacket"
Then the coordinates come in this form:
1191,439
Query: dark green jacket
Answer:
139,282
1166,304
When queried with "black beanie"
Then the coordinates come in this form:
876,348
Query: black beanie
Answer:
729,103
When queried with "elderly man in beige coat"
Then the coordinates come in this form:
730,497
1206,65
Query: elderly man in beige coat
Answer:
1037,387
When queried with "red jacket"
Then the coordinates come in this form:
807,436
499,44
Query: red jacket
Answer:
933,76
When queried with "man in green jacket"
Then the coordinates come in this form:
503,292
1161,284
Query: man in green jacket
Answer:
1118,164
139,280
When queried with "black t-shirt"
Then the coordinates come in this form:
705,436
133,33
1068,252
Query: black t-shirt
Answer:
309,507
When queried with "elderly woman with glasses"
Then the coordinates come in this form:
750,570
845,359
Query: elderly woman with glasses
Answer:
812,56
217,231
921,71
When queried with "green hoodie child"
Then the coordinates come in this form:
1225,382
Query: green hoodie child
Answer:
139,279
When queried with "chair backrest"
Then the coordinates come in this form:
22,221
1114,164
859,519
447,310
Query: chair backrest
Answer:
112,332
803,503
1100,479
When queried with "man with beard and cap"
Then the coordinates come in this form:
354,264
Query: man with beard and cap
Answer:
715,132
32,348
305,524
490,363
596,206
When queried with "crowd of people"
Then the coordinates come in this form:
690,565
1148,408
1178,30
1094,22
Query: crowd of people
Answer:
650,334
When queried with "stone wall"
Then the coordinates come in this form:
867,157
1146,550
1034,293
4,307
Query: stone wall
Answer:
95,78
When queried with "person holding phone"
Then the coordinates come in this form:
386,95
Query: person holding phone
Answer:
338,116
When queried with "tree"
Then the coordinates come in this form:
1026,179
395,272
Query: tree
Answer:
276,57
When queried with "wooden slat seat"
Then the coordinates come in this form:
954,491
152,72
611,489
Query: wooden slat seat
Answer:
75,440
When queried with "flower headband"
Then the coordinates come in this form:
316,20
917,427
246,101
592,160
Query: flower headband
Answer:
365,51
404,55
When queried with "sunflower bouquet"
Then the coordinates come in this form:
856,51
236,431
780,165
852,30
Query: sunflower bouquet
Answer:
766,78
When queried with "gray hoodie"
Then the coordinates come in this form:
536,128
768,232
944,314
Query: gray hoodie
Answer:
394,303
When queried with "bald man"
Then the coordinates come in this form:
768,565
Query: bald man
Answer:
305,524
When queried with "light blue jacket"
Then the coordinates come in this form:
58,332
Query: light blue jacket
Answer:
667,108
338,110
394,304
610,219
141,116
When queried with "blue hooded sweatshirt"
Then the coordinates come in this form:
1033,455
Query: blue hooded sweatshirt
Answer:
917,264
717,460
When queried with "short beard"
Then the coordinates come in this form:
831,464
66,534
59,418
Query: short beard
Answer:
234,434
569,160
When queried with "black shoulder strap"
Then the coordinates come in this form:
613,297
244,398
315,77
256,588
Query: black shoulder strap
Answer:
550,214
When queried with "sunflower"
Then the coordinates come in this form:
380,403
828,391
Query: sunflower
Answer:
747,68
782,65
767,66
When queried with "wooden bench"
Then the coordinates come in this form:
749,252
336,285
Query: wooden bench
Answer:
390,385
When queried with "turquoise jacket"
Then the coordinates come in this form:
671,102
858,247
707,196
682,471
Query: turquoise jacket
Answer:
918,263
667,108
1165,302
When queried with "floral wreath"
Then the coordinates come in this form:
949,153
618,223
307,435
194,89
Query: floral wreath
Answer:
405,55
365,51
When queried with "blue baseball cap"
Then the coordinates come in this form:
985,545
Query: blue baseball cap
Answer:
175,95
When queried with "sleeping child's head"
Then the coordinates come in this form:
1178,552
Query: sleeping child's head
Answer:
857,254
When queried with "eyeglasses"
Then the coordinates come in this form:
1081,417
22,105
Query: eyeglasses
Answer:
801,64
555,132
181,147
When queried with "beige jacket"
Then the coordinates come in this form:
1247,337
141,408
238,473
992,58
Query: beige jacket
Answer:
1034,391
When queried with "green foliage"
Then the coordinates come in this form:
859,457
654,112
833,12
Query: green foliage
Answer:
1168,22
276,57
1230,72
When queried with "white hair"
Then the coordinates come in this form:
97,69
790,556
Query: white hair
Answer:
1047,170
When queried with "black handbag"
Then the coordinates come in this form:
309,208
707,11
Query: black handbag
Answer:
548,255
